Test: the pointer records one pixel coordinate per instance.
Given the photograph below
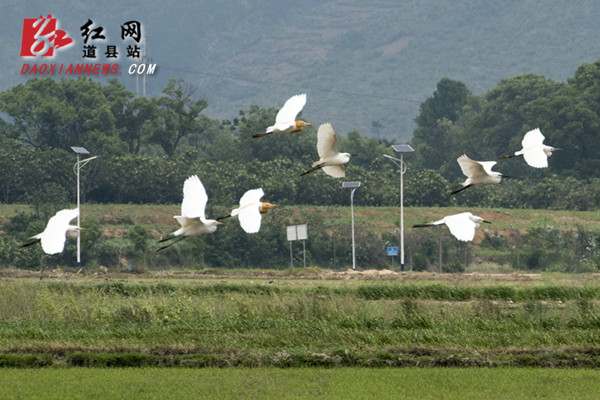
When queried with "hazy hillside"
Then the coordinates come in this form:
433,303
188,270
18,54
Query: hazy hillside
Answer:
364,65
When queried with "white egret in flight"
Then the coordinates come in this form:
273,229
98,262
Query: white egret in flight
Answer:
251,209
331,161
462,225
192,218
285,121
479,173
58,229
534,151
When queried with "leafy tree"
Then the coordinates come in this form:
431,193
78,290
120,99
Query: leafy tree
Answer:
139,119
46,113
436,135
179,116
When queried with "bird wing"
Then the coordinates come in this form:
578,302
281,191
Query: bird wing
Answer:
249,199
533,138
475,169
327,144
54,236
536,158
251,196
290,109
337,171
194,198
461,226
487,166
249,211
250,219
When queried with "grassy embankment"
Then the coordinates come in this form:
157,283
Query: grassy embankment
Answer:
193,321
116,220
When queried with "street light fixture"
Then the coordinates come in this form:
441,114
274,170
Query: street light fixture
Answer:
353,186
401,148
78,165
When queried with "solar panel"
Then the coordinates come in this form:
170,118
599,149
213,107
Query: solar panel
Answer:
79,150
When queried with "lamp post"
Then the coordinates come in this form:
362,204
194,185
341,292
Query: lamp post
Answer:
353,186
80,163
401,148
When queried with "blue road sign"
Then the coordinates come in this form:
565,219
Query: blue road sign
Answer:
392,251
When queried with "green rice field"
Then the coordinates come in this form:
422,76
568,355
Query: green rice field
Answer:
299,334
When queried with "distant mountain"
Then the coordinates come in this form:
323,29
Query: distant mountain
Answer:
364,65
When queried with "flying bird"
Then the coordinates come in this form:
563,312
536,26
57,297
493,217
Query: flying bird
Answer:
462,225
192,218
534,151
285,121
331,161
479,173
251,209
58,229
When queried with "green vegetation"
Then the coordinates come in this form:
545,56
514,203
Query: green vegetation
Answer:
151,145
120,235
202,323
293,383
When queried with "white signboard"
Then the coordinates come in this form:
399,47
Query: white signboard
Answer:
297,232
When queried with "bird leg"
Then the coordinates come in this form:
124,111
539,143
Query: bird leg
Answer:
261,134
422,225
223,217
168,237
179,239
312,169
507,156
30,243
459,190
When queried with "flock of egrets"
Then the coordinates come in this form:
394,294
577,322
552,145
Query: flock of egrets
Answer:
479,173
193,220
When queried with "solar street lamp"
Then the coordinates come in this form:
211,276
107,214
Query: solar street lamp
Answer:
78,165
353,186
401,148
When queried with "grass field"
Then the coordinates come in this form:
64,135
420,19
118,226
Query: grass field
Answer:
299,383
299,334
159,218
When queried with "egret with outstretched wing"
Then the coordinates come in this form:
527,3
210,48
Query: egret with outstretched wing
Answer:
462,226
479,173
57,230
285,121
330,160
192,218
250,210
534,151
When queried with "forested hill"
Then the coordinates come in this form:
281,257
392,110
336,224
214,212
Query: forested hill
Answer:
364,65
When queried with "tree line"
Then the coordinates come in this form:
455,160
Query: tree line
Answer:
149,146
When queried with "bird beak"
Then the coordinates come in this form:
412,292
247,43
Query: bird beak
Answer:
308,124
264,207
80,229
354,155
218,223
486,221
